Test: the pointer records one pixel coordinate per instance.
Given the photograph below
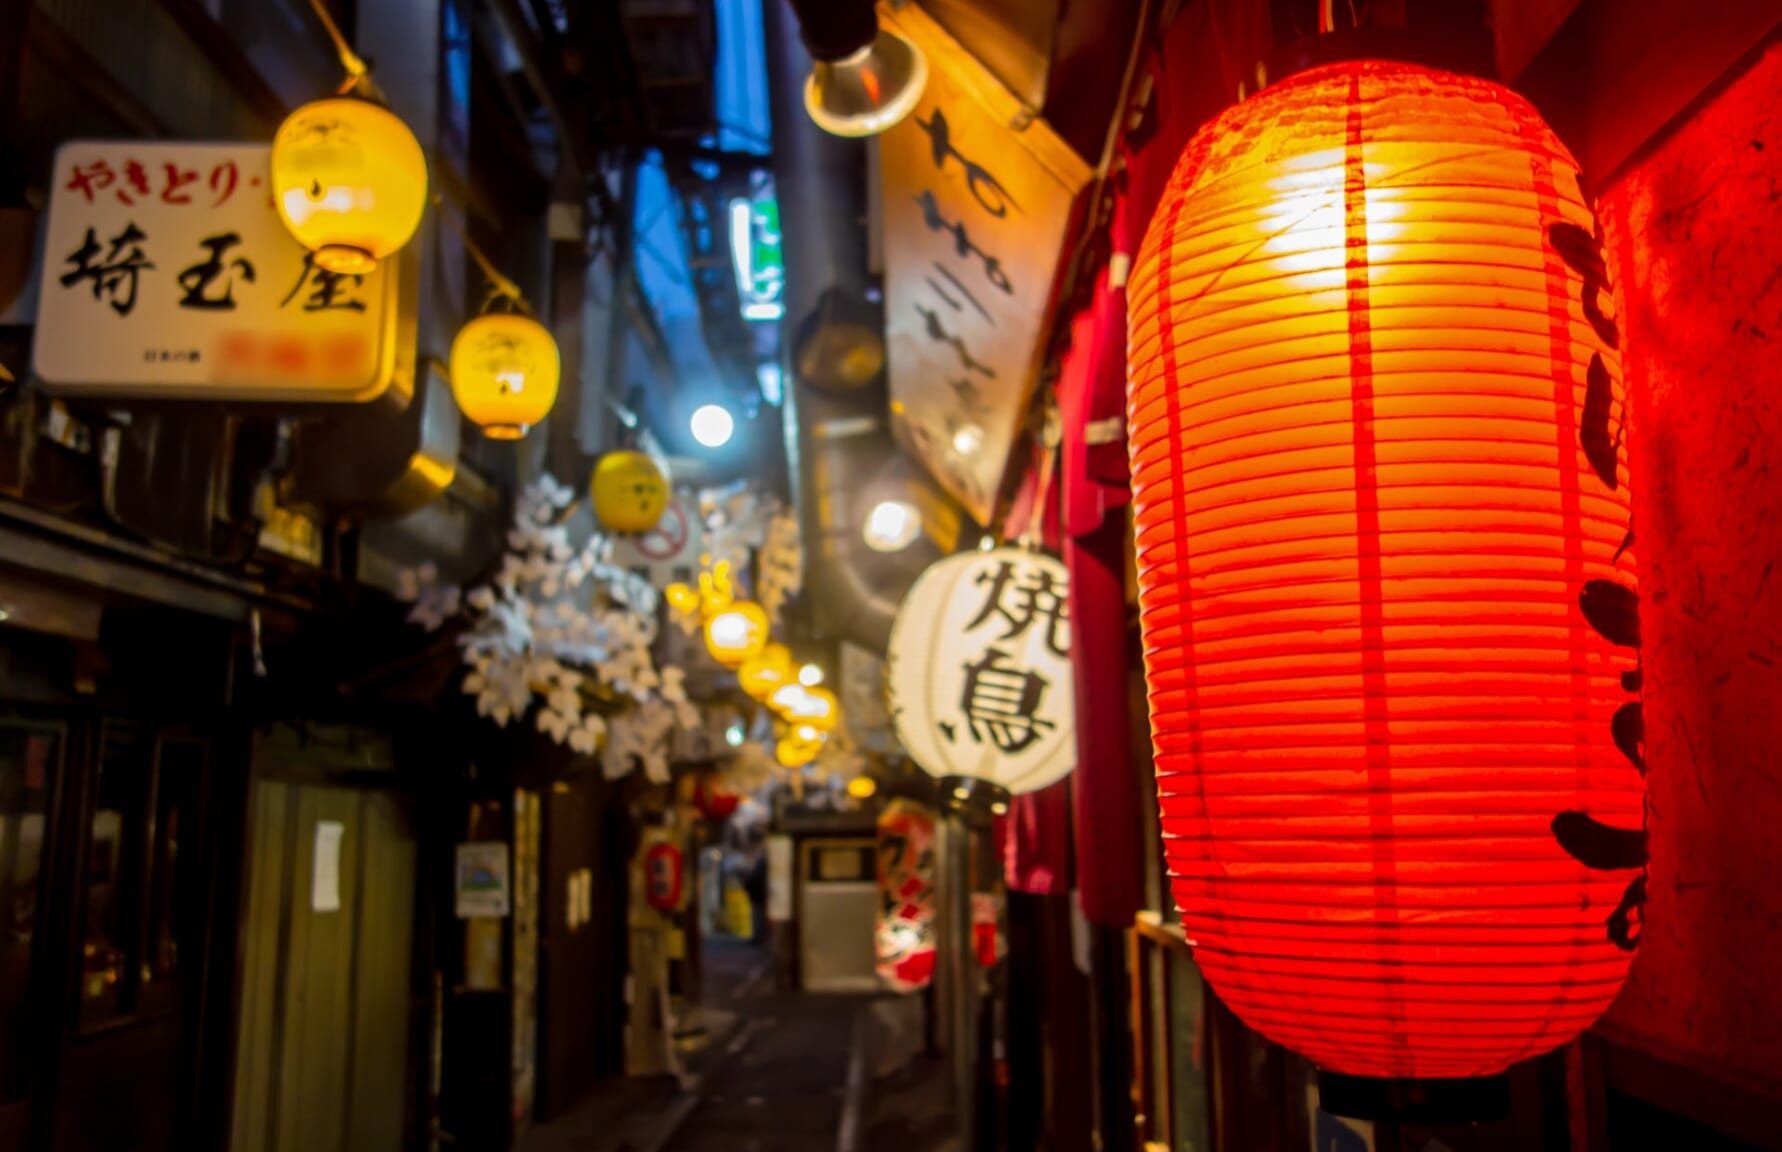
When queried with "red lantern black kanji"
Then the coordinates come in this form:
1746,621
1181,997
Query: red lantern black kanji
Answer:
1386,575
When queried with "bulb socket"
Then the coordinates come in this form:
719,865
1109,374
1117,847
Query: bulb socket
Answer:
835,29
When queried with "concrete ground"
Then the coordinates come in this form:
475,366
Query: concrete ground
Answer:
780,1072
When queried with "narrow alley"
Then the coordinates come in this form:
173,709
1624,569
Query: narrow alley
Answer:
890,575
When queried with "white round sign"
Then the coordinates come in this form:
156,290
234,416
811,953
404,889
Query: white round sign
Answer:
979,670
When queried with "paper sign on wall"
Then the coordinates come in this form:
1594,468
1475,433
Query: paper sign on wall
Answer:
779,878
324,879
480,884
669,551
168,273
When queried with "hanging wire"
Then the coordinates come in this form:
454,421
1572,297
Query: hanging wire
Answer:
355,66
500,287
358,73
1050,435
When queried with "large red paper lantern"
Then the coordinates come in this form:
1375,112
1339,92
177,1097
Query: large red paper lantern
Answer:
1385,573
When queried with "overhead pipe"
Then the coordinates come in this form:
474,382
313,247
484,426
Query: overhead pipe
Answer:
834,440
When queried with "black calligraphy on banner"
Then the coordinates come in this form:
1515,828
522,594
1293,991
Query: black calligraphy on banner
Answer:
114,278
940,334
328,291
985,188
1611,609
962,242
200,277
957,291
969,395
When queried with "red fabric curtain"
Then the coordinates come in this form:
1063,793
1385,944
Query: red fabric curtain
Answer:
1035,835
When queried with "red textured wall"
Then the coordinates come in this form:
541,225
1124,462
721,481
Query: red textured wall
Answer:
1695,231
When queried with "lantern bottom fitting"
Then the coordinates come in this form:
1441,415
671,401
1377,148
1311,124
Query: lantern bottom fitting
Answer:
505,431
1473,1100
973,799
346,260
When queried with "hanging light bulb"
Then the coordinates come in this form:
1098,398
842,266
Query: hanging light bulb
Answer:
505,371
863,79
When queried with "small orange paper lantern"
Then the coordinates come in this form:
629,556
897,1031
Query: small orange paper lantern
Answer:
505,373
798,748
350,181
1386,582
764,674
737,632
816,707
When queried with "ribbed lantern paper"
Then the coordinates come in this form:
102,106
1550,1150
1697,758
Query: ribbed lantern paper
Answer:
1386,581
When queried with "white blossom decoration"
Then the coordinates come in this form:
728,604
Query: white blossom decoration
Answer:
556,622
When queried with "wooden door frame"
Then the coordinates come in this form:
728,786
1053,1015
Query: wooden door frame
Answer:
19,1119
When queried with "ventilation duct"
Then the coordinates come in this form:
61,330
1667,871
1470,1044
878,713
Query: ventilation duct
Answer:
843,456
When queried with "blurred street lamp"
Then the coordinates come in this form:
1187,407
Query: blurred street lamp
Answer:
713,425
892,526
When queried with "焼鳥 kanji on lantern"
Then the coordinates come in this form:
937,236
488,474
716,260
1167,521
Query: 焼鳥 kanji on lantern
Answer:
978,670
1386,578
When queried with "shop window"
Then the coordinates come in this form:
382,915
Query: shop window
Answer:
138,891
112,883
28,760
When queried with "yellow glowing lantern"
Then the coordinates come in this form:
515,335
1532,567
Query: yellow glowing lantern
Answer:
683,598
736,632
794,751
764,674
350,181
505,371
630,492
816,707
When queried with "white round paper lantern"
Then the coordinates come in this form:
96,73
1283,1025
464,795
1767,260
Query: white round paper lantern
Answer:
980,673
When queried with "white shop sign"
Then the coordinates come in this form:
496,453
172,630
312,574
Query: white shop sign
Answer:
167,273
